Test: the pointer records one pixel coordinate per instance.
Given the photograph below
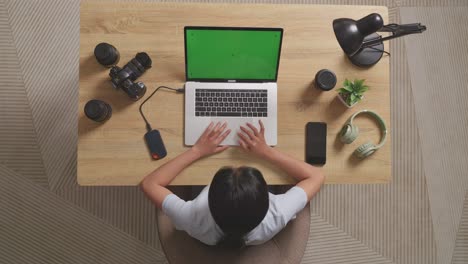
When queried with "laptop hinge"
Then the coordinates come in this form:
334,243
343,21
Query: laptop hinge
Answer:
231,81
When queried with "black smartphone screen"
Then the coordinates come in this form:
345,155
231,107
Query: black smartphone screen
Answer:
316,143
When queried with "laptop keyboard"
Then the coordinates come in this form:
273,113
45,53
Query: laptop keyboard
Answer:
231,102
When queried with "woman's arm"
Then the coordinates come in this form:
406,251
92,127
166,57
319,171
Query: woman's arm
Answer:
310,178
154,185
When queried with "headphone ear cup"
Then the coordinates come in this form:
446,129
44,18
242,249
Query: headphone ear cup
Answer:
365,150
349,133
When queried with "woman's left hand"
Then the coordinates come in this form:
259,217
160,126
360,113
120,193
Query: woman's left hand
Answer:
209,141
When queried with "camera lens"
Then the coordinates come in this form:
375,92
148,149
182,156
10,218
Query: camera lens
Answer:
144,60
106,54
123,78
138,65
98,110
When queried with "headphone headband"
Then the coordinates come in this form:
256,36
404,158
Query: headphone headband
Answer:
379,119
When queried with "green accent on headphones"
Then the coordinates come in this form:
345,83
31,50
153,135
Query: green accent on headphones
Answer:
350,132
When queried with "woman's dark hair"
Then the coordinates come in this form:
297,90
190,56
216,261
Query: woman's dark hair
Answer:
238,201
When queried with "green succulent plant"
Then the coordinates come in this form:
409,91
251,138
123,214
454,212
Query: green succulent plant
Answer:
352,92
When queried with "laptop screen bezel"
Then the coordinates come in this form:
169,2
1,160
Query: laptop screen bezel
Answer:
231,28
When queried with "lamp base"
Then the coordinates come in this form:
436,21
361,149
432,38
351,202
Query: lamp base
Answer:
369,56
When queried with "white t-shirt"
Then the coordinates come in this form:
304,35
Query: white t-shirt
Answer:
194,217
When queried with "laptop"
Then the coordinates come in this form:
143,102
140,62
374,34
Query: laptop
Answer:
231,75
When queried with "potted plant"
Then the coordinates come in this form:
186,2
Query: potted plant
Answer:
352,92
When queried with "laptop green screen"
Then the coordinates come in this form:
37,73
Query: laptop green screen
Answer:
232,53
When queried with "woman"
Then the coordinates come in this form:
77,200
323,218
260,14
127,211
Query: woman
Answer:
236,209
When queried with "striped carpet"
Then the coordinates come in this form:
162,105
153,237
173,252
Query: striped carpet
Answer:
39,227
460,253
53,220
19,148
438,65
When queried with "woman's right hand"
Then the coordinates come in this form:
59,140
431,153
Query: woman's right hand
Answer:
209,141
253,141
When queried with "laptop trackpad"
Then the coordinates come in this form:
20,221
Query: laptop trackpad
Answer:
233,124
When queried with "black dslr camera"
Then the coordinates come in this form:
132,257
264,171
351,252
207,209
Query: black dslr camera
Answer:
124,78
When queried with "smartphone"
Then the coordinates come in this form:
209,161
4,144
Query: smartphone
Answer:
316,143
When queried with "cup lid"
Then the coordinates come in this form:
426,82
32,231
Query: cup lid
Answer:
325,79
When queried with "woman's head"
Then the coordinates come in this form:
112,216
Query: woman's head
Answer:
238,200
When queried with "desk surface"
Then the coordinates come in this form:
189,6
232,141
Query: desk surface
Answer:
114,153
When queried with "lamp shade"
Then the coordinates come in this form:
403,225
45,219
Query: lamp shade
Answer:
351,33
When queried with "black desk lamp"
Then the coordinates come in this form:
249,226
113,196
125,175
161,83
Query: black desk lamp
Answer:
359,41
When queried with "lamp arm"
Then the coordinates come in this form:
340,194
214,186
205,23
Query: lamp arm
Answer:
397,31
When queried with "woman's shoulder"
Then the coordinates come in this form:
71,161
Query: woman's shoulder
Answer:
282,208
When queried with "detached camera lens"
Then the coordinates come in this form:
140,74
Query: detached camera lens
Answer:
98,110
106,54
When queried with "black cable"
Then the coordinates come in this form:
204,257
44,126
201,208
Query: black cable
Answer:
386,52
391,26
148,126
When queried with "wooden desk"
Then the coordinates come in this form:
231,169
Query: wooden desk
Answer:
114,153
